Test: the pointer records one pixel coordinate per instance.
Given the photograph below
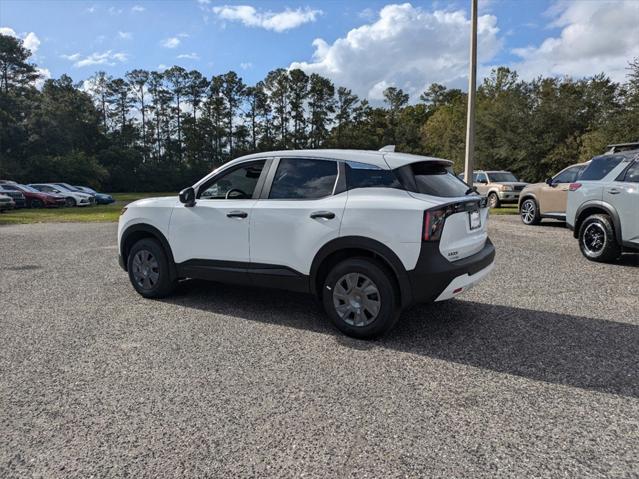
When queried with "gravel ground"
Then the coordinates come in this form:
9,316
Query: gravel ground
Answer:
534,373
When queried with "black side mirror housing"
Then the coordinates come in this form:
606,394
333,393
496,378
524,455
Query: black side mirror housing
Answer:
549,181
187,196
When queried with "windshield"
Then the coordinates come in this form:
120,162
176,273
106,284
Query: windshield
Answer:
29,188
502,177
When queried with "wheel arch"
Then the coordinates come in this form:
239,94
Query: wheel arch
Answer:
526,196
598,207
346,247
135,233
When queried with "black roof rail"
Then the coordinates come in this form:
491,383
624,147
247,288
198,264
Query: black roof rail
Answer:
616,148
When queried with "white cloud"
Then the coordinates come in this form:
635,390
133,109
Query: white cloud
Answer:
162,67
29,40
137,8
246,65
189,56
408,47
45,74
171,42
114,11
109,58
596,37
278,22
125,35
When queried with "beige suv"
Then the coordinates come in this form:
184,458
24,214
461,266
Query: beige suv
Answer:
548,199
498,186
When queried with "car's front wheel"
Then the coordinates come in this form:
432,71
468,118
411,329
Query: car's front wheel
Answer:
148,268
70,201
360,298
493,200
529,212
597,239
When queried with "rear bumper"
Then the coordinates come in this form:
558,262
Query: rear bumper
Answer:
434,275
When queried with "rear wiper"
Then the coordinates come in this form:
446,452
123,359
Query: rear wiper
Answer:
470,190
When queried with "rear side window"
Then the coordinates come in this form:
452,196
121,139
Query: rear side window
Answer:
432,179
361,175
599,167
304,179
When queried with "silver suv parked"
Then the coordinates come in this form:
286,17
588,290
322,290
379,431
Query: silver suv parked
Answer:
603,206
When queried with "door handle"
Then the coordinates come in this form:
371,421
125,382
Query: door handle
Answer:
237,214
328,215
614,191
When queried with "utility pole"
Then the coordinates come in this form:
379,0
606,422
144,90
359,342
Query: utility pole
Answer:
472,87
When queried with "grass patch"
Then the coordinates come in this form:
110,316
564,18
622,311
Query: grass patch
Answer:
505,210
84,214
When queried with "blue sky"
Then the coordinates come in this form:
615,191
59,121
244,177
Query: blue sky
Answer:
365,45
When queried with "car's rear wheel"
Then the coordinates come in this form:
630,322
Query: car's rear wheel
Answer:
529,213
148,268
70,201
597,239
360,298
493,200
35,203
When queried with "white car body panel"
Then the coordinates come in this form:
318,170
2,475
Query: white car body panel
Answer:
625,198
389,216
283,232
204,231
154,212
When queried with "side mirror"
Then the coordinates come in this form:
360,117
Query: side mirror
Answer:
187,196
549,181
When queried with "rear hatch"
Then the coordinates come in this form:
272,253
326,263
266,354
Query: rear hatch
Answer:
459,221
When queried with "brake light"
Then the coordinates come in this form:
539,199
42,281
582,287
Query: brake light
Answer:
574,186
434,223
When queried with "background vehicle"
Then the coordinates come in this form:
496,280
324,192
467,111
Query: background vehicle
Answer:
17,196
35,198
6,203
100,198
603,206
368,233
69,187
498,186
73,198
548,199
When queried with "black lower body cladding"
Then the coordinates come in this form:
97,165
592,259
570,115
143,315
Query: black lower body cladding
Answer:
434,272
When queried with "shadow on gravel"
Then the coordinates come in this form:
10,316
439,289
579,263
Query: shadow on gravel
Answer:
593,354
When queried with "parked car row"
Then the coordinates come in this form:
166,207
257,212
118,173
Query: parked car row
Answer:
598,200
48,195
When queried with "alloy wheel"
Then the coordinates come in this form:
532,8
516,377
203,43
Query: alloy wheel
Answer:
146,270
528,210
594,239
356,299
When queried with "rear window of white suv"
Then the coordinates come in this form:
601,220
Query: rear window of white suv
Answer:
600,166
432,178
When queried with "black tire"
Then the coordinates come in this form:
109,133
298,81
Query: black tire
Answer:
70,201
35,203
597,239
529,212
493,200
385,297
148,267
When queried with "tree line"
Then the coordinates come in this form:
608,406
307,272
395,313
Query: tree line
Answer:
162,130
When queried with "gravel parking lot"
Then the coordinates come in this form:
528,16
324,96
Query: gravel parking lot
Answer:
534,373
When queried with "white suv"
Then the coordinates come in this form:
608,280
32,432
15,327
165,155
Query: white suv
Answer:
603,207
367,232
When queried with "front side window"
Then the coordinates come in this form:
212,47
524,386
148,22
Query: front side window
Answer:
306,179
238,184
569,175
600,167
481,178
632,175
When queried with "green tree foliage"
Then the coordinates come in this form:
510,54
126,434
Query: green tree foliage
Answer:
155,130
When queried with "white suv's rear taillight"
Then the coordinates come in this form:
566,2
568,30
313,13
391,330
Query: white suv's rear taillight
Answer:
574,186
434,223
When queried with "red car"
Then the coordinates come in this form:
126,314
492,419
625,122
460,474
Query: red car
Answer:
35,198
